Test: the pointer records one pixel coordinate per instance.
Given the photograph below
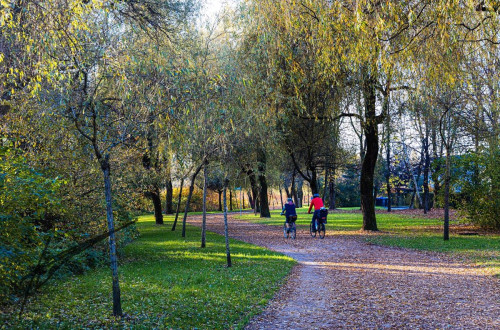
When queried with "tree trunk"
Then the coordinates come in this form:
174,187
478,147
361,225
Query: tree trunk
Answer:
255,190
299,191
191,189
117,306
412,200
332,195
370,157
264,202
231,199
178,205
427,164
446,234
288,192
437,168
250,200
388,163
204,219
168,197
293,190
220,201
314,181
226,231
281,197
155,197
325,184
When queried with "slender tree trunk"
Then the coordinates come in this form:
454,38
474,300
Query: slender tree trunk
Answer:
370,157
412,200
256,205
293,190
155,197
255,190
264,203
325,186
281,198
388,162
446,235
117,306
178,205
427,164
300,192
168,197
191,189
220,201
204,220
331,185
231,199
226,231
437,167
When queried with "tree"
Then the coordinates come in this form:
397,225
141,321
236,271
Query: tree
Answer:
85,80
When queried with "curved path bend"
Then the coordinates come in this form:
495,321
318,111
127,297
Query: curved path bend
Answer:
342,282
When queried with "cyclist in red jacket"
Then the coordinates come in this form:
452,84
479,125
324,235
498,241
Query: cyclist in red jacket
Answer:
317,202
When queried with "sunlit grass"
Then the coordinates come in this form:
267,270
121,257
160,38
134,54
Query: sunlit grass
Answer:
166,282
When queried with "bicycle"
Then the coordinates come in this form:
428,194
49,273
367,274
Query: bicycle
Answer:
289,228
319,224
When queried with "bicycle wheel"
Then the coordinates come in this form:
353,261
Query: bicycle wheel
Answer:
285,232
313,232
293,232
322,231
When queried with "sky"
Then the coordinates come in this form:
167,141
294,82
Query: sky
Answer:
212,7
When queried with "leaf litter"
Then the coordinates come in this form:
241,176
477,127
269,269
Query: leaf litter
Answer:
343,282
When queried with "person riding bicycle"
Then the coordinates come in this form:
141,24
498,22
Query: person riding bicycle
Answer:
291,216
317,202
289,210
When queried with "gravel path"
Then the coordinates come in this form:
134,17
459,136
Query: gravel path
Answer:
341,282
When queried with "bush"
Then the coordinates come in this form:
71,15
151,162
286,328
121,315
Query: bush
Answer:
479,180
34,222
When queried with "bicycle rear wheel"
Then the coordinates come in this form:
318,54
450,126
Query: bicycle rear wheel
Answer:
311,230
322,231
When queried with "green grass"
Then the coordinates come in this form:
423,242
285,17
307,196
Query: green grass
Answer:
166,282
407,232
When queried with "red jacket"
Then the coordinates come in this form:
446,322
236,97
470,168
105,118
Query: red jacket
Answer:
317,202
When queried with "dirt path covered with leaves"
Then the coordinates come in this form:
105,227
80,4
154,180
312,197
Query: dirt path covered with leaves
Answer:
342,282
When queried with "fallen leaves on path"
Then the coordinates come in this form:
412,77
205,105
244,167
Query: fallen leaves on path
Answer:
341,282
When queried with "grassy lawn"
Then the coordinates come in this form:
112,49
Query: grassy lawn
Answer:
405,231
166,282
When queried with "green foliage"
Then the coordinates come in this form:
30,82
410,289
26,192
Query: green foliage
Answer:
32,213
27,198
479,179
167,282
348,189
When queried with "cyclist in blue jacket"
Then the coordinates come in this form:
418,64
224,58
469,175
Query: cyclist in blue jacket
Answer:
289,209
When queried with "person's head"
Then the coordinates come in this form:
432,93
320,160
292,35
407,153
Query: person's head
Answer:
316,195
289,200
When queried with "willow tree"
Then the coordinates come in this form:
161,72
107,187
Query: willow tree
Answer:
371,45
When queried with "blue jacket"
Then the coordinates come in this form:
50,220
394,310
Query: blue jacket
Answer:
289,209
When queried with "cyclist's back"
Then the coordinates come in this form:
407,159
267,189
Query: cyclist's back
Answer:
289,209
317,203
